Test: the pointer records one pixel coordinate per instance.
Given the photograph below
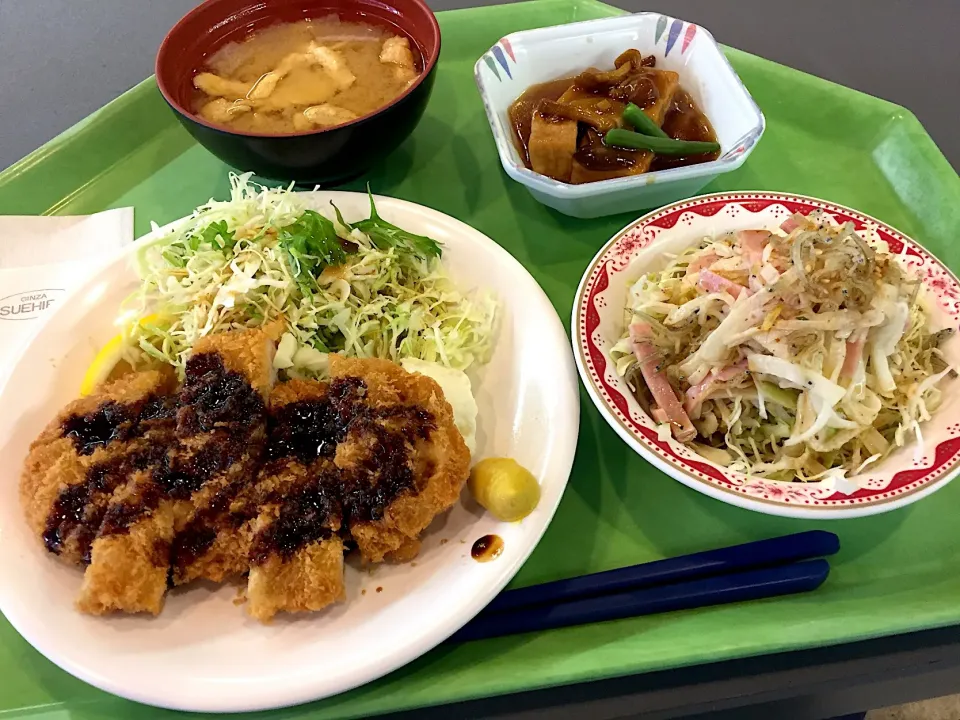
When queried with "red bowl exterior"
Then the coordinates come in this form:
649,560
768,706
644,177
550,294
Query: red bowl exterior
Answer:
324,156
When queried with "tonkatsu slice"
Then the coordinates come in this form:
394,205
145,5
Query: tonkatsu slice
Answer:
296,560
222,424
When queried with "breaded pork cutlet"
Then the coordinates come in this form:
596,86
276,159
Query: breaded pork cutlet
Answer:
373,454
153,488
402,460
296,560
174,520
84,455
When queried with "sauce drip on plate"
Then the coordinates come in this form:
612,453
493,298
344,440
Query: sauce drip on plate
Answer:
487,548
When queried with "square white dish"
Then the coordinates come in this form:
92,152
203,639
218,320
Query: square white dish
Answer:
522,59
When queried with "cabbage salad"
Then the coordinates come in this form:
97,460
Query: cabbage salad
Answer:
789,356
367,289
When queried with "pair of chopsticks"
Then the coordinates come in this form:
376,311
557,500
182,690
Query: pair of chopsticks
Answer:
755,570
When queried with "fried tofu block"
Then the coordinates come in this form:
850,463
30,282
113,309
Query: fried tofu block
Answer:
223,111
667,83
642,161
327,115
335,64
408,408
216,86
60,480
553,141
396,51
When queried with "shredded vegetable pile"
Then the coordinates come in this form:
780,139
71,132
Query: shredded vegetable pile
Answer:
788,356
369,289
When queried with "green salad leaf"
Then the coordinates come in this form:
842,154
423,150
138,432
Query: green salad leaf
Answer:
387,235
311,244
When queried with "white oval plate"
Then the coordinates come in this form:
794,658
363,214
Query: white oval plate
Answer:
598,318
203,653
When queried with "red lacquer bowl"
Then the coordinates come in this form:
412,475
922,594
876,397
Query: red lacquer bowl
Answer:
324,156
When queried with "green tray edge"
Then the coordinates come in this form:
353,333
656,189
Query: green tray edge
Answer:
36,169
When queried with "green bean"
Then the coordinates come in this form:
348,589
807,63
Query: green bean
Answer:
661,146
641,122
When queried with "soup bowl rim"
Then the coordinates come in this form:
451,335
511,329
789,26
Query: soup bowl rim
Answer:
164,83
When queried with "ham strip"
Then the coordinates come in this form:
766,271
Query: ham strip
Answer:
851,361
789,225
663,394
710,282
704,261
700,392
751,245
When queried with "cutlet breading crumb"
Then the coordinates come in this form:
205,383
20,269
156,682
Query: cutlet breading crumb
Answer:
210,544
310,580
247,352
128,572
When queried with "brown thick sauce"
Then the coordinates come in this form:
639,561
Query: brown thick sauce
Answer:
487,548
683,121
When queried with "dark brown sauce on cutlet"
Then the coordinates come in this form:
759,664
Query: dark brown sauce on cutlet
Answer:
193,541
212,395
79,510
180,477
110,422
309,430
385,471
219,403
304,518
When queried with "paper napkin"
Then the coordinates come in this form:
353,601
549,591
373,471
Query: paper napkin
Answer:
43,258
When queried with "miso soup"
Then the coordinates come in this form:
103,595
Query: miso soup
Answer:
302,76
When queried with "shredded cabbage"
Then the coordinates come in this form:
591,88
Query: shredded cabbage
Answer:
841,363
368,290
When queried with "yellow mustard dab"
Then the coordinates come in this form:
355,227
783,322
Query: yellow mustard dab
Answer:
505,488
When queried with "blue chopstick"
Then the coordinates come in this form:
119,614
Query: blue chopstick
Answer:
762,553
736,587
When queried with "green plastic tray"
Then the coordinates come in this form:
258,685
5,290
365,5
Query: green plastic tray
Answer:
896,573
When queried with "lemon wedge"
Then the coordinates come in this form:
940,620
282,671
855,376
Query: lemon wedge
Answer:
107,359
